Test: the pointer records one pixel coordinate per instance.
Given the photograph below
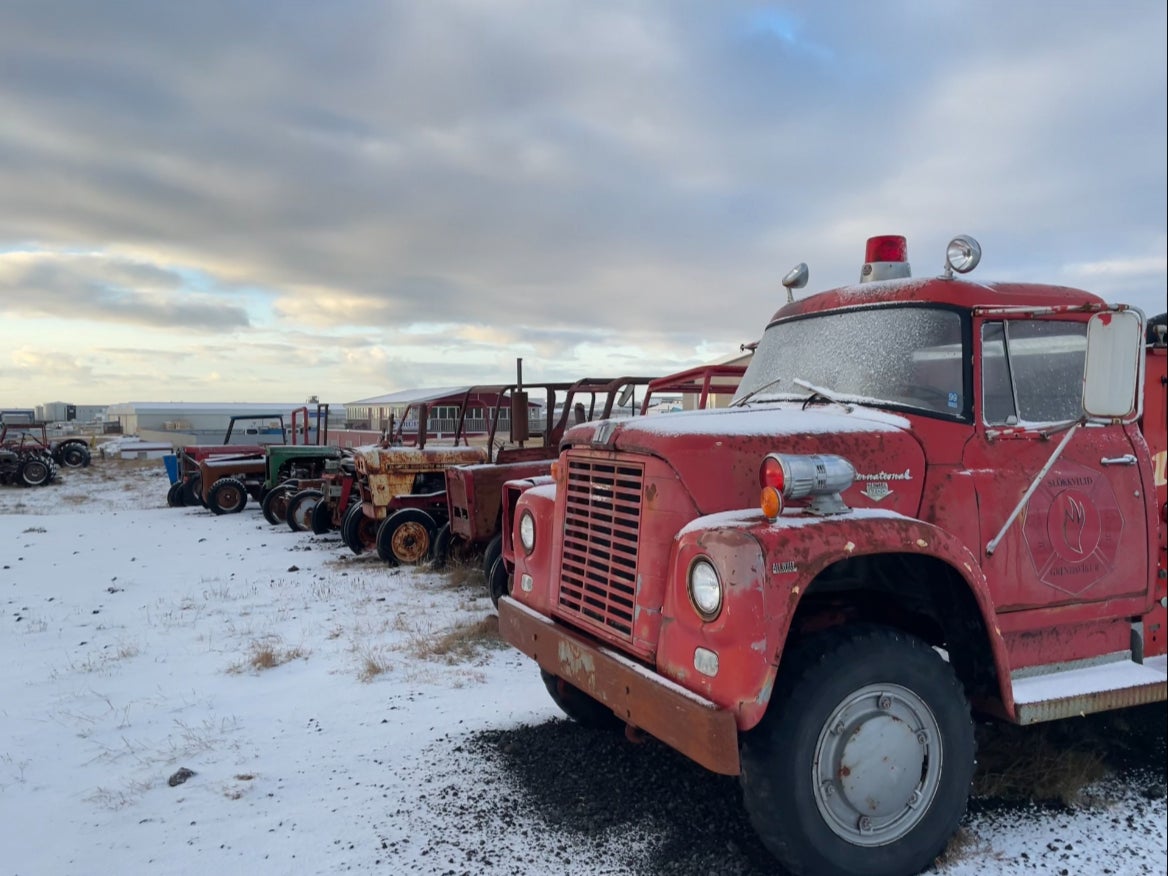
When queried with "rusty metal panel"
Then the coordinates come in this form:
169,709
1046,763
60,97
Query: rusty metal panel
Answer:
689,723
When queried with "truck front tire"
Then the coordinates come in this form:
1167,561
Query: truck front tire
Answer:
863,762
577,705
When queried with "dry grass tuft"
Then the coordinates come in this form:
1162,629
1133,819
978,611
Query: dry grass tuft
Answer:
1042,763
267,655
963,846
461,644
464,575
371,663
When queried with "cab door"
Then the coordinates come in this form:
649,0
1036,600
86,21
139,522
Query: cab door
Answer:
1081,536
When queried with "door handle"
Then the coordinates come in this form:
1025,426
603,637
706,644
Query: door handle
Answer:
1126,459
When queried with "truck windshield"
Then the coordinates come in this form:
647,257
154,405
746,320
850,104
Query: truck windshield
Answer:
903,356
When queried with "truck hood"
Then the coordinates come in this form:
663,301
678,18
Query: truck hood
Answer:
716,453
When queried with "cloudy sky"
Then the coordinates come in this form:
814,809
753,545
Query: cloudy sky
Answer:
258,201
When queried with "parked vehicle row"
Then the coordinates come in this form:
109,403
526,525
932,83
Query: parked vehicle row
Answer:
414,499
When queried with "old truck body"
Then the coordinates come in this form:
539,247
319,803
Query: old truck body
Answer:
474,492
476,495
929,496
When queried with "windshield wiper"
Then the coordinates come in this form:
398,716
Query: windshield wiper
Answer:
740,402
829,394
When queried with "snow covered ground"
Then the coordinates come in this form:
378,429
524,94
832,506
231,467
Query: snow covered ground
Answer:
337,715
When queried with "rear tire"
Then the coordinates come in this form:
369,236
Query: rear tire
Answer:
322,518
499,581
863,762
441,553
406,537
75,455
275,504
36,472
300,508
227,496
359,531
493,552
192,491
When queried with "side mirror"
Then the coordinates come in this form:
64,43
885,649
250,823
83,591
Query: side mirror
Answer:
1114,367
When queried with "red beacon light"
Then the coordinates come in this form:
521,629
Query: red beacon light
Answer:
885,258
822,477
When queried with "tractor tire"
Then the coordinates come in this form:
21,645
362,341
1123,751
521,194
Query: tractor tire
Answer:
174,496
300,507
499,582
578,706
275,504
863,762
440,556
358,530
227,496
192,491
493,552
322,518
406,537
36,471
74,455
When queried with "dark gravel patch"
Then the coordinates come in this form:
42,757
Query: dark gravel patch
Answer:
535,797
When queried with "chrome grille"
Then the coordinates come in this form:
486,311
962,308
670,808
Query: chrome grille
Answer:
598,577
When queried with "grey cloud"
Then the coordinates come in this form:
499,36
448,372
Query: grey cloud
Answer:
105,290
598,166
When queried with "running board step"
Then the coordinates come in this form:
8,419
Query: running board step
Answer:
1067,693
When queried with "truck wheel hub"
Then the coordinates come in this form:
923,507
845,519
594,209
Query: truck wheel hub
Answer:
877,765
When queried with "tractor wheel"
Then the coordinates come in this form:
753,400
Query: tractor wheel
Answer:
322,518
493,552
300,508
441,553
192,491
406,537
275,504
359,530
36,472
74,455
863,762
174,496
227,496
578,706
499,582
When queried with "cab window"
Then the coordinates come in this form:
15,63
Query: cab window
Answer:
1032,371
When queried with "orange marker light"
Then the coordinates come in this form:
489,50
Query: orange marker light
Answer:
771,502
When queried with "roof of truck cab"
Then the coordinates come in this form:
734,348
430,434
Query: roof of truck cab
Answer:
938,290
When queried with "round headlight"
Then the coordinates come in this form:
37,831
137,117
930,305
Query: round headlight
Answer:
705,590
527,531
963,254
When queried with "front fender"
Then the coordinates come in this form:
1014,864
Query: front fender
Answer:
766,569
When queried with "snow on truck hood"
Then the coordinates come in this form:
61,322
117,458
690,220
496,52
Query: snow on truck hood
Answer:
717,453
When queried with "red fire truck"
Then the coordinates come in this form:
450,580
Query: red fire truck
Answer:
930,498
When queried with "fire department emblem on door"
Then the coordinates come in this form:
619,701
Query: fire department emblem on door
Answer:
1072,528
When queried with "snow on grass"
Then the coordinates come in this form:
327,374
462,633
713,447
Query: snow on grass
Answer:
192,693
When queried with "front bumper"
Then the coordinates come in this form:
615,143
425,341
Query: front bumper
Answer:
696,727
